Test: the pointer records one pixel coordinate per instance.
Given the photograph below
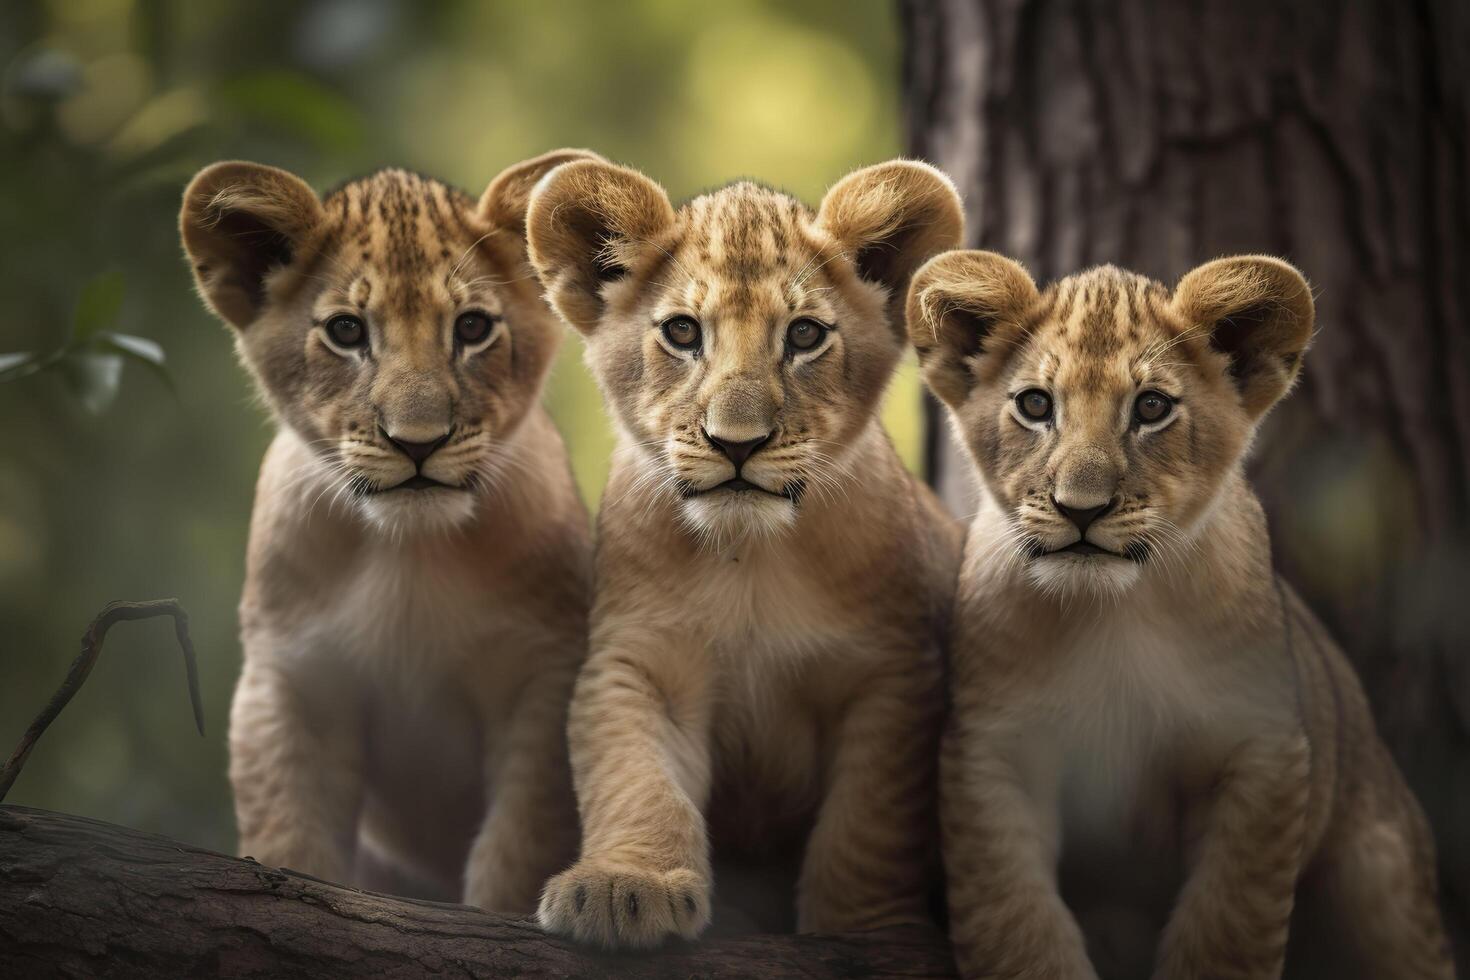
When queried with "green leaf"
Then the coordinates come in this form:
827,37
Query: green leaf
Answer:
142,350
93,377
98,305
11,365
298,105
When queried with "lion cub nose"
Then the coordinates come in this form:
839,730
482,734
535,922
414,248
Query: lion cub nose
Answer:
417,451
737,451
1083,517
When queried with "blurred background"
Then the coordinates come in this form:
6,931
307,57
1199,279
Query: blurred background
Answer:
117,481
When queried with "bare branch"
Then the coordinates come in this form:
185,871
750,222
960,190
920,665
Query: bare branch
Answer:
79,897
115,612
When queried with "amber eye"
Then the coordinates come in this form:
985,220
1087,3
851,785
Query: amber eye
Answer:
1151,406
804,334
347,331
472,328
1034,404
682,332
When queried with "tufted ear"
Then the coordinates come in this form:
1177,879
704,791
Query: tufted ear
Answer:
503,205
586,224
960,305
1258,312
239,222
891,218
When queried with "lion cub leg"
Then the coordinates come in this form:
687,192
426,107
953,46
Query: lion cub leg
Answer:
296,764
870,855
530,828
1232,915
1000,833
1376,887
641,763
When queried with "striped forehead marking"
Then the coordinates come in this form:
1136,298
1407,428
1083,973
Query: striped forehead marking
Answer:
401,231
746,245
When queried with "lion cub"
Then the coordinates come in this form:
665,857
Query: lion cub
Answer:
764,676
418,574
1137,697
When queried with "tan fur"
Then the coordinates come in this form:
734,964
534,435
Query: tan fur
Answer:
1169,739
764,675
409,653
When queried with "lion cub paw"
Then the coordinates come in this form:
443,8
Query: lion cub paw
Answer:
625,907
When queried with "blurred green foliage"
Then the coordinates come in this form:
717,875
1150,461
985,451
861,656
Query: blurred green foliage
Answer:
91,360
108,106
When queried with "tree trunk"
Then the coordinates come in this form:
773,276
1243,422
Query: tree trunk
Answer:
1157,134
83,898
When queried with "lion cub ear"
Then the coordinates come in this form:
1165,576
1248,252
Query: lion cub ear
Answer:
586,226
891,218
241,221
960,305
503,205
1258,312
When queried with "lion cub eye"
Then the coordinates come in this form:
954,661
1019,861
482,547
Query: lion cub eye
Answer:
1034,404
804,334
1151,406
347,331
472,328
682,332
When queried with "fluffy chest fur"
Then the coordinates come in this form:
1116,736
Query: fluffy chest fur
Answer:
436,663
762,611
775,644
1136,703
408,619
1127,694
465,608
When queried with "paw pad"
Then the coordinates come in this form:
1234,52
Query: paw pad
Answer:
625,907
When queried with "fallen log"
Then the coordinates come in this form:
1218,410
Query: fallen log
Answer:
80,897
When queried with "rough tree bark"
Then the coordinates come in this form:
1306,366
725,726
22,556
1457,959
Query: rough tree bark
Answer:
83,898
1157,134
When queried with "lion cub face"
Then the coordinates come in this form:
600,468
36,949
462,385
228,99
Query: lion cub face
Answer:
743,340
1106,412
394,325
